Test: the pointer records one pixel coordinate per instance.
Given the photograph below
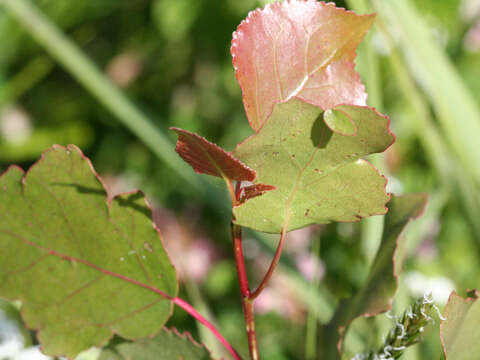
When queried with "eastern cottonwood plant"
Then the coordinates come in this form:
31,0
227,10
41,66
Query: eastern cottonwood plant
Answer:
85,267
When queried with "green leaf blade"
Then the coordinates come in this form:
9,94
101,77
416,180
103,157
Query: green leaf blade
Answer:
460,331
319,175
377,294
167,345
83,268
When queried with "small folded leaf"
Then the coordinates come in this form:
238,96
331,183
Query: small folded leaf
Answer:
339,122
460,332
168,345
304,49
83,268
208,158
377,294
318,174
252,191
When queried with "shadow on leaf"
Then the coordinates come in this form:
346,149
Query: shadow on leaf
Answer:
320,134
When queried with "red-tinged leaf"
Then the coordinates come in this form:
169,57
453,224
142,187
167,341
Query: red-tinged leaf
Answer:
296,48
83,267
208,158
255,190
168,345
377,294
460,332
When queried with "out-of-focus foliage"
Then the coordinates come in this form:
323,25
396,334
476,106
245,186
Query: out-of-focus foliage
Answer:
171,57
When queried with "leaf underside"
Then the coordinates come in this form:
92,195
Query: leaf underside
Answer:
377,294
83,268
319,175
303,49
168,345
208,158
460,332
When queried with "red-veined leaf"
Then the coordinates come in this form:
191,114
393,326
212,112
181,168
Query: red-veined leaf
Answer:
303,49
83,267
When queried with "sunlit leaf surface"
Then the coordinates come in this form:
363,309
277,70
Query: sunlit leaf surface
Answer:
168,345
460,332
304,49
83,268
319,175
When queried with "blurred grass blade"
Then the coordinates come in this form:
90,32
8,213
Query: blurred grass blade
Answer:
367,65
454,105
84,70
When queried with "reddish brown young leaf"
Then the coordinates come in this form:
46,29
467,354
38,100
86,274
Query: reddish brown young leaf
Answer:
298,48
208,158
255,190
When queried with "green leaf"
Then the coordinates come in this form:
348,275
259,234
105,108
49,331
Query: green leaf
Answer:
168,345
376,295
319,175
460,331
84,268
339,122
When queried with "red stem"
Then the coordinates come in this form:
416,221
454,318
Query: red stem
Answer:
177,301
247,303
240,261
272,267
189,309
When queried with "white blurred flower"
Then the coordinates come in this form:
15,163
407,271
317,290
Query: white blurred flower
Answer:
440,287
15,125
470,9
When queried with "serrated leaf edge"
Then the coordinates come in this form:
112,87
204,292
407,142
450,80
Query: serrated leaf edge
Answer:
465,300
108,202
257,12
223,151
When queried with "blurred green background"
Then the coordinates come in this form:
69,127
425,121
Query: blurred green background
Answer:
112,75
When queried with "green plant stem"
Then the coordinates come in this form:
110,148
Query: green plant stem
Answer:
86,72
25,79
449,95
311,331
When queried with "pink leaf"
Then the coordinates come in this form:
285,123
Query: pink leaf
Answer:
303,49
208,158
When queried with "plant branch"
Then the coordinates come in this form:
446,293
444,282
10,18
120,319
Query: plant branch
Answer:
272,267
190,310
247,303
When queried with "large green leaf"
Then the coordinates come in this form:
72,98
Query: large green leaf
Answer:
168,345
460,331
376,295
84,268
319,175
